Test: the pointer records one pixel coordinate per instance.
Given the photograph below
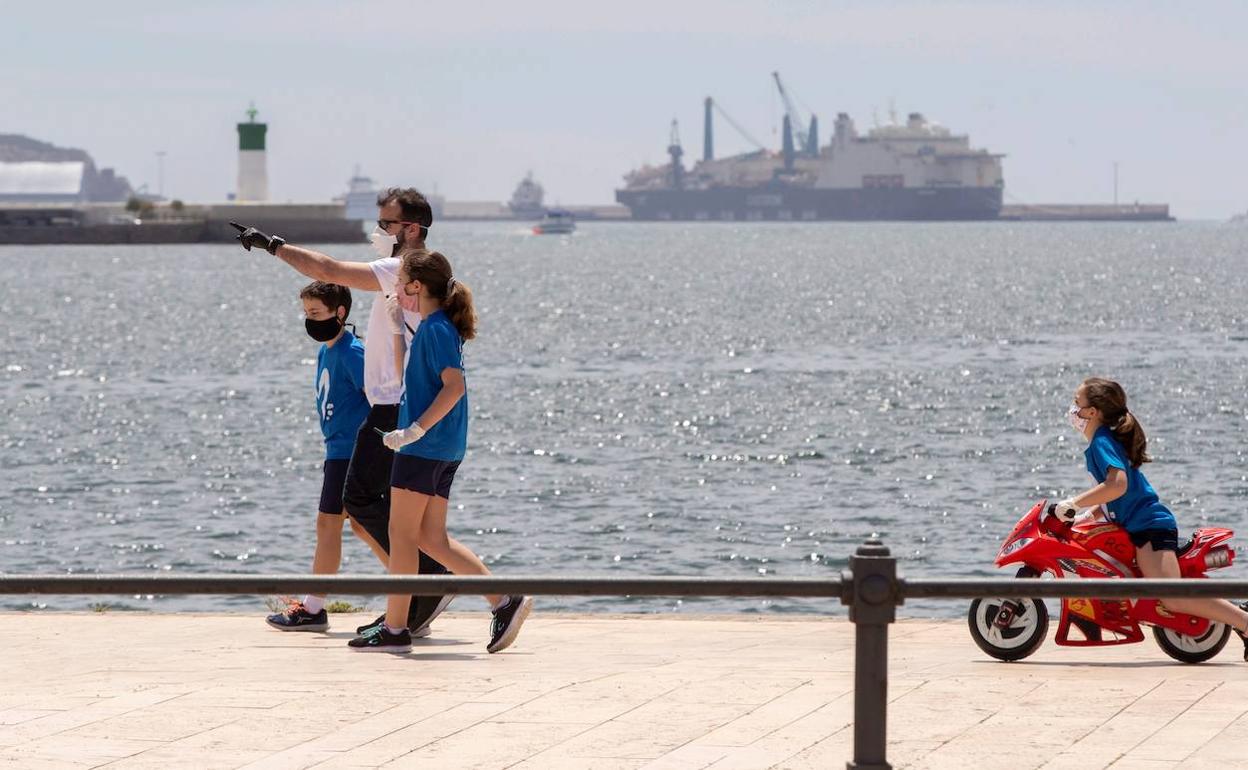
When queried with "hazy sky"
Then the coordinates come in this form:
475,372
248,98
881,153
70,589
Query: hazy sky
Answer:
469,96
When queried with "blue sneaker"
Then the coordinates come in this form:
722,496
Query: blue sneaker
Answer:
297,618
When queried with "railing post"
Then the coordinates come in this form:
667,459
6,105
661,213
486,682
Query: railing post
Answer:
872,594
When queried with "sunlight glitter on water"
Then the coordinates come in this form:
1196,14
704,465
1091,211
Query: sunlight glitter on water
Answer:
729,400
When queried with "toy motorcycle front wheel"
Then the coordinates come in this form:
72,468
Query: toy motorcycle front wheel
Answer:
1192,649
1024,634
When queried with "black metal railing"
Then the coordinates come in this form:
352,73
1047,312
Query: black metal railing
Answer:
871,588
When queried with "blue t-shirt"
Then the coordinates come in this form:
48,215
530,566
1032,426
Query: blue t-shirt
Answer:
340,398
435,347
1139,508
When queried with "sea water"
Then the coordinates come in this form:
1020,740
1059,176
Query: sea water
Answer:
730,400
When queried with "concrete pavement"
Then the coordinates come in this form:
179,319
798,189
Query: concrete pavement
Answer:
134,690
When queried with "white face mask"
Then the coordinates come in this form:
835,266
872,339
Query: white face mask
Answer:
383,242
1077,422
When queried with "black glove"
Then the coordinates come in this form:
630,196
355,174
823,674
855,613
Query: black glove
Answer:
250,236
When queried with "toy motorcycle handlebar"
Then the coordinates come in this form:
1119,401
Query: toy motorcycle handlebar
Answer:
1050,523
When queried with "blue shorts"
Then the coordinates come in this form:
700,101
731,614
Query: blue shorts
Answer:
333,479
1159,539
419,474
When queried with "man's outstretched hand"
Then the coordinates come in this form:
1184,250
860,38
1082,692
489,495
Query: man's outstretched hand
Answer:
250,236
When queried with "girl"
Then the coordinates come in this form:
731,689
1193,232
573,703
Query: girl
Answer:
429,445
1115,452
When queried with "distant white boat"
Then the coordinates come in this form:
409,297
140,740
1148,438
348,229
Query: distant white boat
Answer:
555,222
360,198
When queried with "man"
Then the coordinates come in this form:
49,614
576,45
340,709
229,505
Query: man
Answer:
404,218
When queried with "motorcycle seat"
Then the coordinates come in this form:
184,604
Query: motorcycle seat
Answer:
1186,547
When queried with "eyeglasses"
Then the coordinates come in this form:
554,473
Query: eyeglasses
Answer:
384,224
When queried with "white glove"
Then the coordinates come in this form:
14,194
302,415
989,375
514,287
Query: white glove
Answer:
397,439
1066,510
394,314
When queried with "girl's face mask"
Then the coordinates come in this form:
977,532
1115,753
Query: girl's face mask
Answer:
1078,423
409,302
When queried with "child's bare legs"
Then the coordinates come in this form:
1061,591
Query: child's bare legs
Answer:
454,555
409,512
1165,564
328,555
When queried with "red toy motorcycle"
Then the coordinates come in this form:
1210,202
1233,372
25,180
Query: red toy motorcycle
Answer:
1012,629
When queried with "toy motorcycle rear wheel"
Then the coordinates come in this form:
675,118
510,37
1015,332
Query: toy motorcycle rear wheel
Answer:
1192,649
1021,638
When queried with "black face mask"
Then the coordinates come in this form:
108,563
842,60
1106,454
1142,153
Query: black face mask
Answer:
323,331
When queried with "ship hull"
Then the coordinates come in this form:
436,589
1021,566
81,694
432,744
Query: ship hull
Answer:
814,204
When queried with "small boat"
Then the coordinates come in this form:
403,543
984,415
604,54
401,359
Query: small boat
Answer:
555,222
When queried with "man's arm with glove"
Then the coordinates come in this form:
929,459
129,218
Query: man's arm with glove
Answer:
313,264
250,236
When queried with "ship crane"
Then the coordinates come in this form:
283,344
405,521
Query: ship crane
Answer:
708,138
807,140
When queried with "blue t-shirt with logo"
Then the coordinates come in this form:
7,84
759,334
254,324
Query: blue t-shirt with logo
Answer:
435,347
1139,507
340,398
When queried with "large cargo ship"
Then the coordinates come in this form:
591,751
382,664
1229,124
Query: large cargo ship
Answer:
915,170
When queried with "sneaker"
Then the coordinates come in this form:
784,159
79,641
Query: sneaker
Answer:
380,639
507,621
418,632
418,622
364,628
297,618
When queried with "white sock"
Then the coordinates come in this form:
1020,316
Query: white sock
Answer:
313,604
393,630
500,604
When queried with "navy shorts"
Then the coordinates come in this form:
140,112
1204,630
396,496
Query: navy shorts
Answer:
1159,539
333,479
420,474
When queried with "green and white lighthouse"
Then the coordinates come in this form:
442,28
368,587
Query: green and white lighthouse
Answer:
253,176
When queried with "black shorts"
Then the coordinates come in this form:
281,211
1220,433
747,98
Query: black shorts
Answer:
366,495
420,474
1159,539
334,477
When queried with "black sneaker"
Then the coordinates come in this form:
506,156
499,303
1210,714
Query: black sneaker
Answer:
507,621
379,639
413,617
297,618
380,619
424,613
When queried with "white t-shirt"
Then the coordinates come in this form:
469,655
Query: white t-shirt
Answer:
383,384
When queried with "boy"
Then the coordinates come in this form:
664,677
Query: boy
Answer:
343,407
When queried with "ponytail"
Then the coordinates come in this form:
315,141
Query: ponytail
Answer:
1130,434
458,307
1111,400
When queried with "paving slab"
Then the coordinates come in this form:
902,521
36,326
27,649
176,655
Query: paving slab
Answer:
137,690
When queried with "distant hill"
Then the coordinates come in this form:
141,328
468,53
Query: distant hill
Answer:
17,177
